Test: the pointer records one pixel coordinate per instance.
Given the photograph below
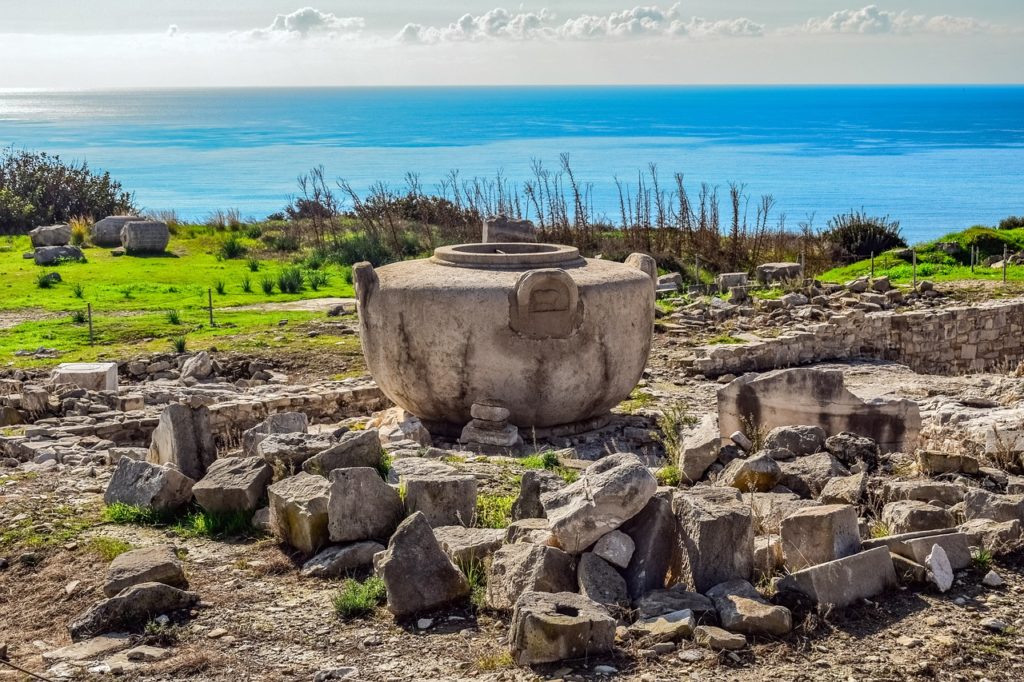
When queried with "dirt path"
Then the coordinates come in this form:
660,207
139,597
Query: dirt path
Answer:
309,305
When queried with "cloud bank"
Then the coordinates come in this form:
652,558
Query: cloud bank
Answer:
307,22
874,21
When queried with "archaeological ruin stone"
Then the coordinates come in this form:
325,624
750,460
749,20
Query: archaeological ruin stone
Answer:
50,235
816,397
445,500
937,463
157,564
742,609
676,598
718,639
717,536
816,535
145,237
851,450
130,609
774,273
670,627
107,232
908,516
298,511
233,484
92,376
844,581
341,560
981,504
534,326
939,570
502,229
993,535
395,425
417,573
759,473
467,545
533,484
599,581
700,449
844,489
282,422
353,449
767,555
287,452
362,506
183,439
199,366
550,627
149,486
616,548
800,440
608,493
532,531
53,255
524,567
808,476
924,490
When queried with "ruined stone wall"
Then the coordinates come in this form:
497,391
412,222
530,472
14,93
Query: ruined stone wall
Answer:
953,340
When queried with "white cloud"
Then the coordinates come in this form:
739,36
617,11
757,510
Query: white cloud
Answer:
310,21
872,20
638,22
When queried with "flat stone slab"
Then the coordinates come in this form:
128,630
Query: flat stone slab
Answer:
92,376
90,649
844,581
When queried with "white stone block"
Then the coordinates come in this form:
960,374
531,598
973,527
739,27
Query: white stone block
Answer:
92,376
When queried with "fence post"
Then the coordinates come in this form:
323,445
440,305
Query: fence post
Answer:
872,265
913,253
972,259
89,308
1006,257
209,295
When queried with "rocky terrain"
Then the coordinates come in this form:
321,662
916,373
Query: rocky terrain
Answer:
203,517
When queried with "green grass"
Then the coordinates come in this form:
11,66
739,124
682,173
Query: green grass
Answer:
129,514
771,294
357,599
542,460
669,475
203,524
981,558
494,511
64,524
476,575
724,339
878,529
638,399
109,549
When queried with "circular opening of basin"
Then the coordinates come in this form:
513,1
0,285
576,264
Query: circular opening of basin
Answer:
510,256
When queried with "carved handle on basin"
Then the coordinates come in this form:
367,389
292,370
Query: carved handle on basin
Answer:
643,263
364,277
545,304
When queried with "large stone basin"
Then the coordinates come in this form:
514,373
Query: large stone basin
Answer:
556,338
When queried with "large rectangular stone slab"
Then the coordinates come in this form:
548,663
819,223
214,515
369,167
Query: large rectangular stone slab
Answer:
716,536
92,376
844,581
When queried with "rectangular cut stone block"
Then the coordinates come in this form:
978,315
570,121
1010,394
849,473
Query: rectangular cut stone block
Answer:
716,536
816,535
954,544
842,582
92,376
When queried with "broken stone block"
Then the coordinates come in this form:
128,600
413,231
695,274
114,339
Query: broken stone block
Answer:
522,567
742,609
395,424
981,504
287,452
935,463
92,376
717,536
670,627
759,473
550,627
298,511
184,439
996,536
611,491
534,531
816,397
361,506
817,535
233,484
844,489
466,545
494,434
771,508
131,608
339,561
90,649
598,580
767,555
150,486
844,581
418,575
534,483
404,467
616,548
718,639
939,570
808,476
700,449
448,500
924,490
50,235
353,449
675,598
908,516
954,545
852,450
199,366
150,565
282,422
800,440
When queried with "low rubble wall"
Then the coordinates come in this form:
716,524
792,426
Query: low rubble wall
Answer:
956,340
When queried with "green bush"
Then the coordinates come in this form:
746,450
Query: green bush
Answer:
78,289
858,234
267,284
246,284
290,281
253,264
179,344
39,189
494,511
173,317
44,280
219,287
316,279
1012,222
79,317
355,247
357,599
232,248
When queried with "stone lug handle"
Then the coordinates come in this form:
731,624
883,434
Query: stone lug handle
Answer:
364,277
545,304
643,263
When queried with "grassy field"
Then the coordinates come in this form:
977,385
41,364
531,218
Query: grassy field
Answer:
140,304
938,266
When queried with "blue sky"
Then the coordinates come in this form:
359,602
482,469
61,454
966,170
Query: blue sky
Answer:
105,43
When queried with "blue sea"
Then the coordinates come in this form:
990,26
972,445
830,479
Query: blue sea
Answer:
935,158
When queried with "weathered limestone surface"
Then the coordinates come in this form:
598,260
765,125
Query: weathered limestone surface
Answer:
145,236
183,439
233,484
107,232
51,235
149,565
92,376
844,581
298,511
525,567
418,575
717,536
130,609
816,397
550,627
147,485
816,535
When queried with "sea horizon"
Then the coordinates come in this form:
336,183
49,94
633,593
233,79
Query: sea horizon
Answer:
937,158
